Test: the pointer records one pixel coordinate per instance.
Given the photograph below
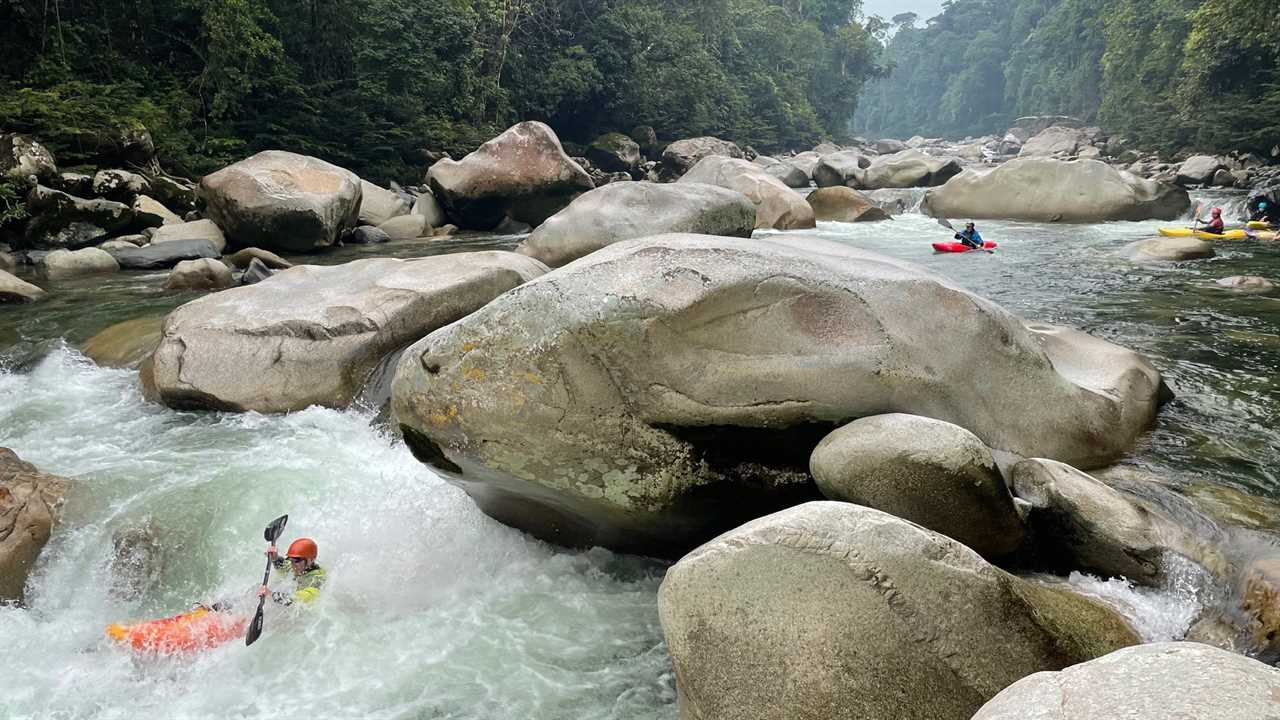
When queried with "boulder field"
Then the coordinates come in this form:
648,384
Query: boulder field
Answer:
1042,189
312,335
833,610
664,389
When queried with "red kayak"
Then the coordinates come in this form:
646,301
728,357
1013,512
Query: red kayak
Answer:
185,633
955,247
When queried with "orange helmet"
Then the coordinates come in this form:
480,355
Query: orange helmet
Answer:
303,548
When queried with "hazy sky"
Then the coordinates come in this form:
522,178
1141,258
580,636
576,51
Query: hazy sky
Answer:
888,8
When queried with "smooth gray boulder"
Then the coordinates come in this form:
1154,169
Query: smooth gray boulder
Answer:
63,264
662,389
197,230
623,211
790,175
1162,681
1054,140
1163,249
832,610
843,204
933,473
778,207
1080,523
282,201
378,204
241,259
524,174
149,212
1246,284
406,227
311,335
614,152
16,291
906,169
889,146
1199,169
30,502
125,344
1042,189
680,156
840,168
164,255
256,272
807,162
202,274
428,207
23,158
365,235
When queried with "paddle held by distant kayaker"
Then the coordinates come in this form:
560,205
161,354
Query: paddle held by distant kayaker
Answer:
300,563
971,237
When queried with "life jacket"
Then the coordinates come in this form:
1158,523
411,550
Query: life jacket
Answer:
306,586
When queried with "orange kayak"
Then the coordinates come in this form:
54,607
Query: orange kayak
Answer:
189,632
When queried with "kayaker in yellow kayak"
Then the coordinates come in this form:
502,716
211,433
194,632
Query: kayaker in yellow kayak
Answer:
300,563
1215,225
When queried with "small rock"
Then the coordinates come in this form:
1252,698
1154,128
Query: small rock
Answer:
1246,284
510,226
406,227
119,185
378,205
202,274
445,231
14,291
8,263
242,259
198,230
367,235
147,211
256,273
428,207
165,255
114,245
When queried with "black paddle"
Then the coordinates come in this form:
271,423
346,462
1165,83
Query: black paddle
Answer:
272,533
946,224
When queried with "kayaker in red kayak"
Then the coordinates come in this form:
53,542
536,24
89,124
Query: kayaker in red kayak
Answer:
300,562
971,237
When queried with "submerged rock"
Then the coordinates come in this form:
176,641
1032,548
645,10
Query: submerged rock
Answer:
1246,284
311,335
1042,189
202,274
1169,249
282,201
930,472
523,173
126,344
777,206
833,610
62,264
663,389
1149,682
29,501
623,211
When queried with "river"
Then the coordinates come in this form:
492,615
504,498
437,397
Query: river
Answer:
433,610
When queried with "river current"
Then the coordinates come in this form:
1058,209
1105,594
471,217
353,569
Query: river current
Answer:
433,610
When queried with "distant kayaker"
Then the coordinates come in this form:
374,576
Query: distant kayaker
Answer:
971,237
1261,210
300,562
1215,225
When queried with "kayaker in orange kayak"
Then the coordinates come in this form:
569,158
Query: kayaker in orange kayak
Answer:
300,563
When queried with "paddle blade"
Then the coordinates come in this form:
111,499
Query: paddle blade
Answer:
273,531
255,627
945,223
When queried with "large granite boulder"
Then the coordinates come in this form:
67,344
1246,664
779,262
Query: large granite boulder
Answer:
177,193
1161,681
790,175
22,158
930,472
196,230
909,168
523,174
311,335
29,502
282,201
16,291
807,162
614,152
60,220
843,204
1046,190
406,227
840,168
1078,522
1199,169
119,185
832,610
1056,140
623,211
378,205
777,206
63,264
164,255
663,389
681,155
428,207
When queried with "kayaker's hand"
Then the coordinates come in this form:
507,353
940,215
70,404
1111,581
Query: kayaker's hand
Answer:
271,553
264,591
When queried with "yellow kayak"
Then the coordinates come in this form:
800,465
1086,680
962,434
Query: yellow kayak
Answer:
1188,232
1259,225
